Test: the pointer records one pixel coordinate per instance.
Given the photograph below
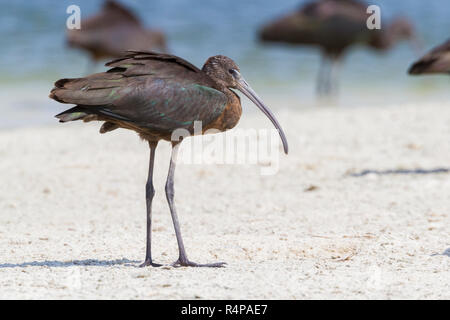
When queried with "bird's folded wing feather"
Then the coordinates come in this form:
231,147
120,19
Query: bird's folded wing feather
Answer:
151,90
436,61
440,56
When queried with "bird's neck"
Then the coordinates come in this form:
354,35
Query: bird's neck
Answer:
209,70
391,35
233,110
381,40
230,115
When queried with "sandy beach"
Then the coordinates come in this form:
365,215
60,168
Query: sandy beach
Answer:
72,212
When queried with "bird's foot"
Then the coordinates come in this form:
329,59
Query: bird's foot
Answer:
187,263
149,263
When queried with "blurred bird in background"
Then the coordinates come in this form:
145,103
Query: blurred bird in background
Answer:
334,26
112,32
436,61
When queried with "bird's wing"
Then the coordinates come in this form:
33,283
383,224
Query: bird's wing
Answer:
436,61
109,32
328,23
147,57
112,13
117,11
155,91
350,9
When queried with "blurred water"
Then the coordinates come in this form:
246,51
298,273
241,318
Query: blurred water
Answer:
33,52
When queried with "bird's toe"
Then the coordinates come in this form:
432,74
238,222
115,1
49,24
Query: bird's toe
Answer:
187,263
149,263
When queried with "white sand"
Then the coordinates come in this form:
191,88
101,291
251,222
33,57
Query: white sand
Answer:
72,215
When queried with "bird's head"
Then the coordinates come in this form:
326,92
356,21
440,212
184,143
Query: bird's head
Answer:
226,74
219,68
402,29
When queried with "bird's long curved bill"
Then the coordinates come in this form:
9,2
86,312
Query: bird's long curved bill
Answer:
245,88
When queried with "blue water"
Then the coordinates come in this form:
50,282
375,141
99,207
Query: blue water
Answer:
33,52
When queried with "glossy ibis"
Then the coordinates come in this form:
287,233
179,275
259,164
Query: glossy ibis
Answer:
436,61
334,26
155,94
112,32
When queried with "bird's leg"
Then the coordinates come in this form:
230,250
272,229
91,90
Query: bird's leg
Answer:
320,75
149,193
182,259
334,76
327,81
323,80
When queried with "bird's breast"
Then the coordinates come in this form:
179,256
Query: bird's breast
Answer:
230,116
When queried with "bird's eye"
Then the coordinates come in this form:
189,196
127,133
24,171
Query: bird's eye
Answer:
233,72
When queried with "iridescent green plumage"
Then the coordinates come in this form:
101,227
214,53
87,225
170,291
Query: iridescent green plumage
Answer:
154,91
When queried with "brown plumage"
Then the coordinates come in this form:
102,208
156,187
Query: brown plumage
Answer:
334,26
155,95
436,61
112,32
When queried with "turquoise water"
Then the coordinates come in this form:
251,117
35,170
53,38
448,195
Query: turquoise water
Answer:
33,52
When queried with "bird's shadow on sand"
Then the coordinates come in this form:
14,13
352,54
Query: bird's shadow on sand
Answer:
417,171
72,263
445,253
